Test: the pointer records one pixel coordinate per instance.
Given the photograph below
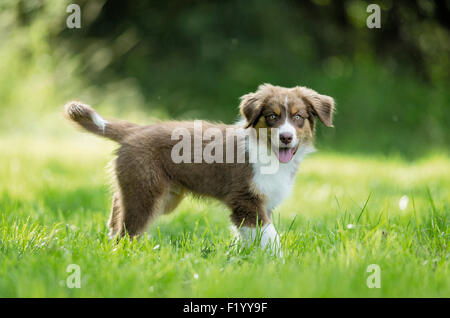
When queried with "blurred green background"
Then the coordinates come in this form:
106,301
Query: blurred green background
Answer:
138,60
193,59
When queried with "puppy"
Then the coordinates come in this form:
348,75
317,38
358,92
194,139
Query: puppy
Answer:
157,165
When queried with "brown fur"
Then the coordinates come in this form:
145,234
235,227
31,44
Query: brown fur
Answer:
149,183
269,99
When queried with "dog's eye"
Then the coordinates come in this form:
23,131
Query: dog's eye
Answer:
297,117
272,117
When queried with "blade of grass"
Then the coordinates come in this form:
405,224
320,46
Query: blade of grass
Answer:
364,207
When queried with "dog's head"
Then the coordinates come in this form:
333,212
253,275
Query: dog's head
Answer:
291,111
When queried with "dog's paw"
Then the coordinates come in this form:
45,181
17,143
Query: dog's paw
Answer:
267,237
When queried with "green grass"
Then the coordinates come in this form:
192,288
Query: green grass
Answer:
342,216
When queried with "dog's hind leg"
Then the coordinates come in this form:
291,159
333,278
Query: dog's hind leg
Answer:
139,208
115,216
142,187
172,199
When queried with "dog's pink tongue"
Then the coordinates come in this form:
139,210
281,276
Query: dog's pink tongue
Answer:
285,154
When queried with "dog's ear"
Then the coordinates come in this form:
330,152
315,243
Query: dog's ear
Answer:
250,108
321,106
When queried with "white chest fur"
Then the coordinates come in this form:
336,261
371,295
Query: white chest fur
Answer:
277,186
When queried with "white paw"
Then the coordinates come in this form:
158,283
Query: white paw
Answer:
267,235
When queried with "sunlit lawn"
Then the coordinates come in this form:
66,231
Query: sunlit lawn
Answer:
54,204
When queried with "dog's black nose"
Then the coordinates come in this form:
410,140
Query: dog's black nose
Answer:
286,138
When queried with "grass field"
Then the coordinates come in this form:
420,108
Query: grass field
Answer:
343,216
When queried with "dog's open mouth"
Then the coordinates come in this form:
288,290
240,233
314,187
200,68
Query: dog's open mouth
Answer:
285,154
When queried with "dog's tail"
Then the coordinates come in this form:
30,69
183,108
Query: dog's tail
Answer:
89,119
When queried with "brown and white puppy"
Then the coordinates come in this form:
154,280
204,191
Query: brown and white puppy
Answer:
150,182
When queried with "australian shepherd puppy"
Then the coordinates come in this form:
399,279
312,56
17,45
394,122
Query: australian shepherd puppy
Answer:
249,166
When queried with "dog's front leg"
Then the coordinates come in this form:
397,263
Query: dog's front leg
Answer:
255,226
266,236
